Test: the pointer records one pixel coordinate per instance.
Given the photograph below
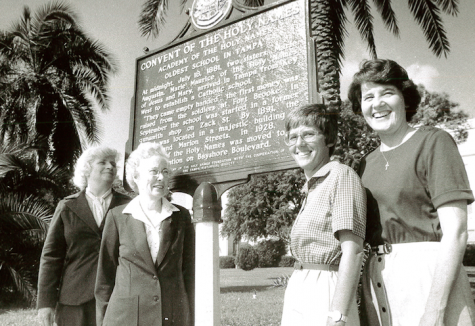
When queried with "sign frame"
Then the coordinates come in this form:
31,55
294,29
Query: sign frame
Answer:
228,177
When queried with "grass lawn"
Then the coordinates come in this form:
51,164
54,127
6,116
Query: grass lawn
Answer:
238,305
18,317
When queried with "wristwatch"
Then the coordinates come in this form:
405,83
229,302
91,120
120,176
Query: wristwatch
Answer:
337,316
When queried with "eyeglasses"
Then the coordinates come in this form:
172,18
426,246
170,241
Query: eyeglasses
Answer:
307,136
164,172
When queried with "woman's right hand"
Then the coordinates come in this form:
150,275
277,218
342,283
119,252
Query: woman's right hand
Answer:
46,316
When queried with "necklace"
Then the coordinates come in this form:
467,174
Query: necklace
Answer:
387,162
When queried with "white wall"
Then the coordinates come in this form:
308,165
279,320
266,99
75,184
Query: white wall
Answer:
467,150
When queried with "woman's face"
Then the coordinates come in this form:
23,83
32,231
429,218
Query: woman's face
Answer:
383,107
103,170
152,177
309,151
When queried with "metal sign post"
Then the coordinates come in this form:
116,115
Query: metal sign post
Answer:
207,216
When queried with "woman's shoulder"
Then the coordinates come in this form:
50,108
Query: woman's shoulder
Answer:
119,208
69,201
117,211
121,196
432,132
432,136
183,214
182,209
342,169
71,197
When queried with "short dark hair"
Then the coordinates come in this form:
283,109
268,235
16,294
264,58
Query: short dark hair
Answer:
386,72
315,115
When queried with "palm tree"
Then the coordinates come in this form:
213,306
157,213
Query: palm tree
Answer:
328,26
51,77
328,20
30,191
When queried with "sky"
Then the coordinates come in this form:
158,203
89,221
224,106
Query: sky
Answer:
114,24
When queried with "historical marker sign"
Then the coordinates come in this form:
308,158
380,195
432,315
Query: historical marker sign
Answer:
217,101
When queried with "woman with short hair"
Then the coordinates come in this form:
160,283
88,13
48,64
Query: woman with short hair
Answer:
69,259
146,265
418,193
327,236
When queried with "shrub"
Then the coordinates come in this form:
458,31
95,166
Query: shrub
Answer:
287,261
469,257
227,262
270,252
247,258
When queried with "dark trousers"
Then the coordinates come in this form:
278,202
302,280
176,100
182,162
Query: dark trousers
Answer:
82,315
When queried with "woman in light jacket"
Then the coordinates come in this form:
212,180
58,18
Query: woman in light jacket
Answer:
146,263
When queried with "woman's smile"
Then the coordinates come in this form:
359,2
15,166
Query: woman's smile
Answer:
381,114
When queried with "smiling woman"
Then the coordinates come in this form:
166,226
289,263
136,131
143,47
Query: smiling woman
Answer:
327,236
417,208
70,253
146,262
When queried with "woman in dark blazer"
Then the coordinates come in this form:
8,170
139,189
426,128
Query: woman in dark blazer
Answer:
146,264
70,254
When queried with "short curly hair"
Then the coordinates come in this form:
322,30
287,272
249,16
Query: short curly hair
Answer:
83,168
315,115
386,72
143,151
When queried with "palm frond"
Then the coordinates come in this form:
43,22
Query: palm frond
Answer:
364,23
10,163
22,283
448,6
388,15
89,82
22,173
427,15
53,12
152,17
339,21
19,212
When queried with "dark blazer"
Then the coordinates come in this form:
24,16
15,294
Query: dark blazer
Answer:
130,289
70,254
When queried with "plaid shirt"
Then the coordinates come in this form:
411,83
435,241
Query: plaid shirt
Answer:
336,201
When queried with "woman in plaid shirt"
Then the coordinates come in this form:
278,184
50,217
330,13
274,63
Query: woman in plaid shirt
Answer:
327,236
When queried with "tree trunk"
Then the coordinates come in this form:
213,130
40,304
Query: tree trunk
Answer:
327,59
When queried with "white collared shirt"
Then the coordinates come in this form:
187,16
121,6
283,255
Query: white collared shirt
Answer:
152,223
98,205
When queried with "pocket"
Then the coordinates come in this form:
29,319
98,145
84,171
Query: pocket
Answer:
122,311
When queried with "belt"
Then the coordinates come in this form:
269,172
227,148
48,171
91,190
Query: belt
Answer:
320,267
382,249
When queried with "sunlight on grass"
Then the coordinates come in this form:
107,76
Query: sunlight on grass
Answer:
238,307
19,317
241,309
